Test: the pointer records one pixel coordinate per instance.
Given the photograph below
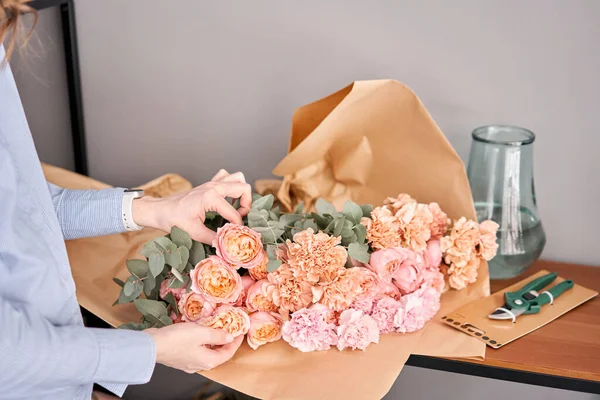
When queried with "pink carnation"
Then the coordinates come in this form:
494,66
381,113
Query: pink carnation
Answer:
308,329
165,289
416,309
383,313
365,305
356,330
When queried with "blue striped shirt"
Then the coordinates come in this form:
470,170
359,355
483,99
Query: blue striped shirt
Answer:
45,351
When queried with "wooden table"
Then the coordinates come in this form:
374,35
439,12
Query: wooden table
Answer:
564,354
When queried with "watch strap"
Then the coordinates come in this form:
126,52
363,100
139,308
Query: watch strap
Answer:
128,196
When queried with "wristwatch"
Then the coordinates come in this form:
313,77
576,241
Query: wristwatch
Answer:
128,196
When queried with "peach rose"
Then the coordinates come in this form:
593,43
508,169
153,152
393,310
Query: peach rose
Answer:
440,223
290,294
260,296
260,271
487,246
383,229
415,224
264,328
367,282
216,281
239,246
247,281
315,257
232,319
193,306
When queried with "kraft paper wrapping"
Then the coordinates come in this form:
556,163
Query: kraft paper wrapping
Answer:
370,140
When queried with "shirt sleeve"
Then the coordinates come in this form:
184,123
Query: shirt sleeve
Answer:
87,213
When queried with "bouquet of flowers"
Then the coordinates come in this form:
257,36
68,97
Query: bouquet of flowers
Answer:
314,279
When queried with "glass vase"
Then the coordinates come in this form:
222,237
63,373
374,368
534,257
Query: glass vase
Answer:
500,172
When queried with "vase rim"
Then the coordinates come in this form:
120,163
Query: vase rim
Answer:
507,135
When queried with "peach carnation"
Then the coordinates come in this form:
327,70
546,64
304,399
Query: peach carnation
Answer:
216,281
460,276
487,246
193,306
440,223
264,328
239,246
315,257
415,225
383,229
459,246
338,294
367,281
260,296
290,294
234,320
394,204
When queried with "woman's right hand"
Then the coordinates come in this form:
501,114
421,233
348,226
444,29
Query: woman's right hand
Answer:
189,346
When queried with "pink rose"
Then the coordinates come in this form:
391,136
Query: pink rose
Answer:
356,330
366,281
176,318
433,254
308,330
433,278
416,309
247,281
264,328
383,313
386,262
216,281
165,289
239,246
408,277
193,306
234,320
260,296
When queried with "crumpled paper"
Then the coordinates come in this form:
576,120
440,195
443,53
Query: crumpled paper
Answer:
370,140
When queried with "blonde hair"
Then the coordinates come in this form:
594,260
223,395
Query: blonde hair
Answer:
11,12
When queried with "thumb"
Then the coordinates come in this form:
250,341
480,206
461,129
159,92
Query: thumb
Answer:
212,336
200,233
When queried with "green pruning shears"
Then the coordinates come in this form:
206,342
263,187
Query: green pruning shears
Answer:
527,300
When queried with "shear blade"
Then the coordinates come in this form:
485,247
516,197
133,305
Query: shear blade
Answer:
501,314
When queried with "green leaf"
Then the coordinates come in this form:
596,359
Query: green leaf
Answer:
321,221
181,238
258,218
269,234
359,252
287,220
133,326
166,320
119,282
273,216
153,322
263,203
177,274
139,268
366,210
273,265
309,223
324,207
338,225
276,212
176,283
210,215
172,302
149,285
148,249
353,212
133,287
172,256
300,208
163,242
271,251
156,262
151,307
197,253
184,254
361,233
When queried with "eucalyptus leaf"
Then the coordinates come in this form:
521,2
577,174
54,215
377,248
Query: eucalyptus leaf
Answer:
273,265
176,283
269,234
287,220
172,256
197,253
129,288
153,321
151,307
148,249
138,268
271,251
119,282
188,268
169,298
177,274
156,291
273,216
300,208
324,207
361,233
366,210
309,223
321,221
156,263
349,239
359,252
210,215
276,211
166,320
263,203
258,218
352,211
181,238
338,226
134,326
163,241
149,284
184,254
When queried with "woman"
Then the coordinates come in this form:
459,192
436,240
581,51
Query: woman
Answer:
45,351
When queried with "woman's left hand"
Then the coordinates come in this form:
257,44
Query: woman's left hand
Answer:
188,210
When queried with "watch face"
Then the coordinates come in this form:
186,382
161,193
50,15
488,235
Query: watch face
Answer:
139,191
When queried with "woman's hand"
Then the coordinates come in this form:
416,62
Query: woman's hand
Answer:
185,346
188,210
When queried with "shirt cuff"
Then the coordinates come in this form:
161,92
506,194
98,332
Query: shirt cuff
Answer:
126,357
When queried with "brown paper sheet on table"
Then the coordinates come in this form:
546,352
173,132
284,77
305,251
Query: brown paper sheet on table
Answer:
473,320
371,140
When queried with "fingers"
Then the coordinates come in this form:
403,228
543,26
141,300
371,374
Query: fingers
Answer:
220,175
201,233
225,352
224,176
243,191
227,211
213,337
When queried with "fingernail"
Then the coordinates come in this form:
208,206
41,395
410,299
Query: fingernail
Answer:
229,338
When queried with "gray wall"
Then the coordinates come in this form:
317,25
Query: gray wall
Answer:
191,87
